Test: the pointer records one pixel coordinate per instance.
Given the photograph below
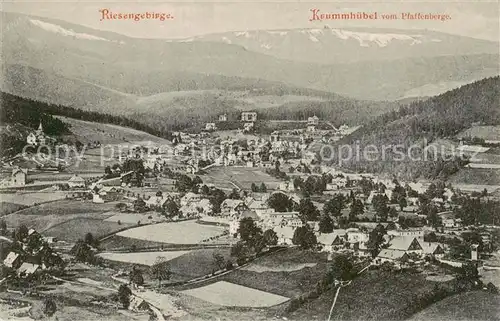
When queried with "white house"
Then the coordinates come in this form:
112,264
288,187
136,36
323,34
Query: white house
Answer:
248,127
96,198
249,116
452,223
27,269
190,198
11,260
210,126
18,177
314,120
223,117
286,186
354,235
418,233
76,181
285,234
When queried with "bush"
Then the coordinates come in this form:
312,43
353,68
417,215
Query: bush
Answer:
294,304
241,260
492,288
49,307
124,294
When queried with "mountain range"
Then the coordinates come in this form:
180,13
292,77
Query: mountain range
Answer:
333,45
182,81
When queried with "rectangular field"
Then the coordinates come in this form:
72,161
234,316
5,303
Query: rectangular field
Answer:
73,230
133,218
30,199
66,207
233,295
143,258
187,232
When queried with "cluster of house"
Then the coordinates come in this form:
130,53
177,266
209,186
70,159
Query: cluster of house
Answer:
190,205
34,255
256,208
247,117
398,244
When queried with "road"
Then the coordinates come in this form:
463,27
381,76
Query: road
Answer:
343,284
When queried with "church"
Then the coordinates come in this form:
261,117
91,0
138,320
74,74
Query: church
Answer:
37,137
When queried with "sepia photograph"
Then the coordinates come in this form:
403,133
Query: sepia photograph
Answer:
249,160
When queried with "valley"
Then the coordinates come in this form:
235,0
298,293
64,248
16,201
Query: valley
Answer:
267,173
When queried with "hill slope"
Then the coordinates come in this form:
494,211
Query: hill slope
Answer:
421,123
19,116
477,305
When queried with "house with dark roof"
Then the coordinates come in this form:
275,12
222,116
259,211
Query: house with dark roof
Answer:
390,255
432,248
406,244
332,241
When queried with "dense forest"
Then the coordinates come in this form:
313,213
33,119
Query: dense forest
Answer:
422,122
30,112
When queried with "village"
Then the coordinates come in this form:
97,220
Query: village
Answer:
223,200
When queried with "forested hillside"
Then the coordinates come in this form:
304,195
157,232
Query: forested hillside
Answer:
423,122
19,115
30,112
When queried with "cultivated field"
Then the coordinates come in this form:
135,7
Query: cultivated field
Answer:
242,177
86,131
133,218
186,232
31,198
143,258
374,295
76,229
7,208
229,294
66,207
116,242
68,220
288,273
477,305
285,268
195,263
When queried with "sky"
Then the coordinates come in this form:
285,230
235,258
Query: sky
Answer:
478,19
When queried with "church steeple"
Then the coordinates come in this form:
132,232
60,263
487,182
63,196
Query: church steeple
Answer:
40,128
